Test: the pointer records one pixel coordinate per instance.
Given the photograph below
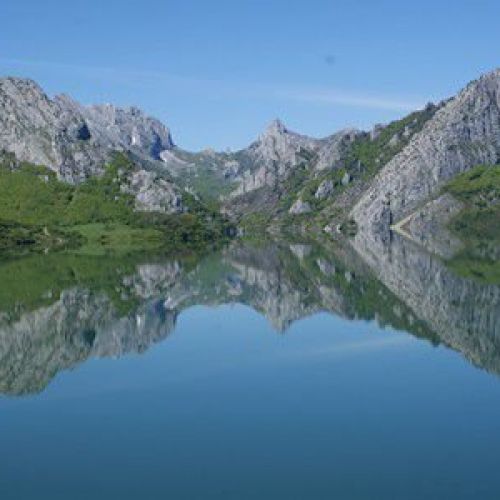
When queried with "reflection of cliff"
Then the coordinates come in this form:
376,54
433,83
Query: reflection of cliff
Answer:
79,325
464,314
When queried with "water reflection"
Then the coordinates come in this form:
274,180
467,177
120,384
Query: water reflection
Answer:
58,311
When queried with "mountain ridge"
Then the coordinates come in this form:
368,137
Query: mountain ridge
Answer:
368,179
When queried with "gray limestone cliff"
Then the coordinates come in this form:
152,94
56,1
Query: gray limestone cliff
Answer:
40,130
465,132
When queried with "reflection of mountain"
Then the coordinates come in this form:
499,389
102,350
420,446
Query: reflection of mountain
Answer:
81,324
134,308
464,314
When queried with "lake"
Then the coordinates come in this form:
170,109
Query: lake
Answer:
277,370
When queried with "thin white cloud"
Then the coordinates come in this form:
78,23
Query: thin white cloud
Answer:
224,88
337,97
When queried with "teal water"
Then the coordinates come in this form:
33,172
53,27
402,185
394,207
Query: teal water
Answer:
284,373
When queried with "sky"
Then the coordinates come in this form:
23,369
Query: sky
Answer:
218,71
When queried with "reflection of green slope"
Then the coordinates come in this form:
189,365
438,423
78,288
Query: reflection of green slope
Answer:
480,266
38,280
117,239
477,224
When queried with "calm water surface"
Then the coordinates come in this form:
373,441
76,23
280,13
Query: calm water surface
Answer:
279,372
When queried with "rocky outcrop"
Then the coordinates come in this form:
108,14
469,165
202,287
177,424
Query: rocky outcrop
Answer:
112,128
325,189
465,132
153,193
122,129
300,207
131,128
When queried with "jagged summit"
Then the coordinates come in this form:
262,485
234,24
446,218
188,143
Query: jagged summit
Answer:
276,127
73,140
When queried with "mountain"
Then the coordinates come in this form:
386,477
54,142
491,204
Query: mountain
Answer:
259,170
71,139
76,142
398,176
390,177
272,157
464,133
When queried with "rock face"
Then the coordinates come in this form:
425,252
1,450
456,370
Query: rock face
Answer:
73,140
334,149
122,129
43,131
465,132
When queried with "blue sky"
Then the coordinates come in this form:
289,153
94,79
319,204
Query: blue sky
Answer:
216,72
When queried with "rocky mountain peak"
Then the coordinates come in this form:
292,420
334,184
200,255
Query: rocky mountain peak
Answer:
273,157
276,127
